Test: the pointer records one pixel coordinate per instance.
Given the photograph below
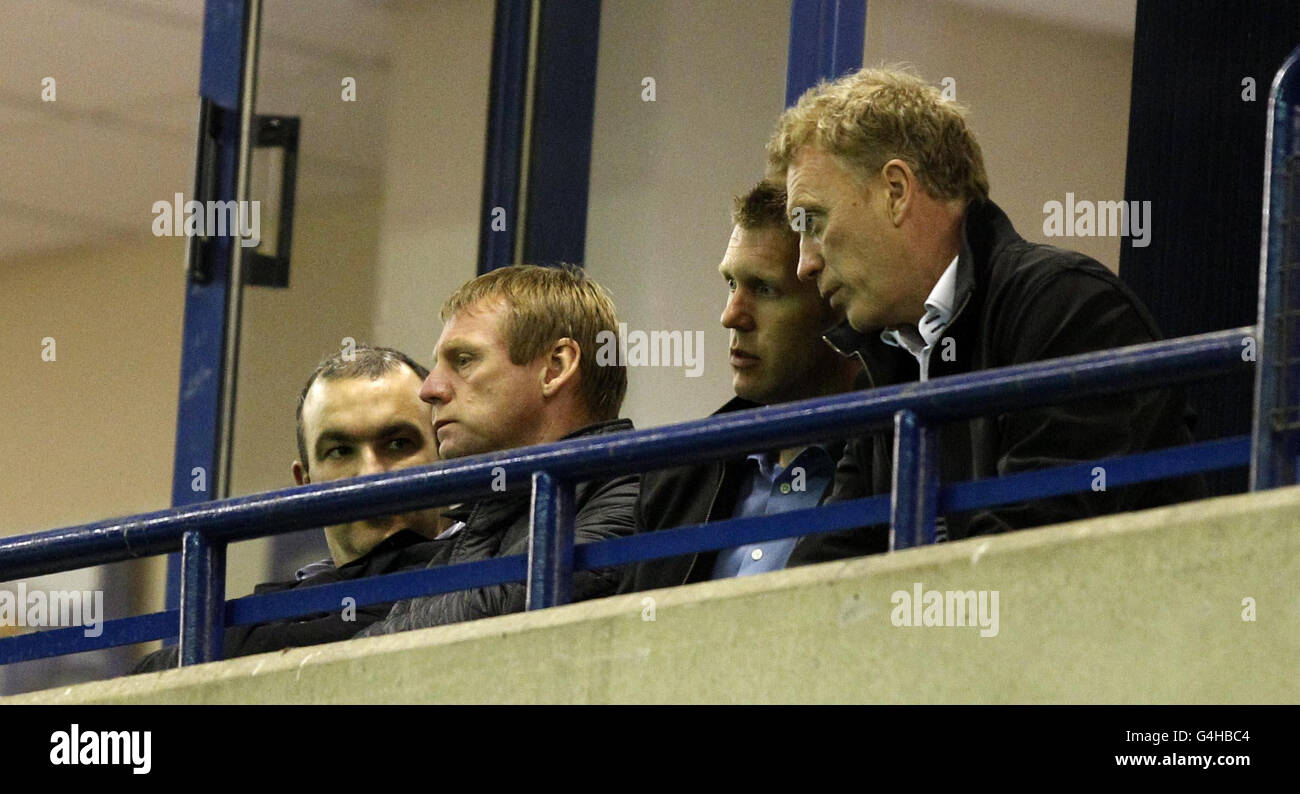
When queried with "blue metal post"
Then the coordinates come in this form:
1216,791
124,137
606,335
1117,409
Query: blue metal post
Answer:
507,93
550,542
916,482
203,598
826,39
1277,377
559,143
206,384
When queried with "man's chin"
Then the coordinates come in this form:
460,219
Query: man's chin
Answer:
747,389
863,321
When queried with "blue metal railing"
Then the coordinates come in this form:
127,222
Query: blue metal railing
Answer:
203,531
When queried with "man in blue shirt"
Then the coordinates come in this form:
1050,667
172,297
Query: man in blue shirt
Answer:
777,355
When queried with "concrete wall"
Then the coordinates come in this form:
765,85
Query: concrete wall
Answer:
1146,607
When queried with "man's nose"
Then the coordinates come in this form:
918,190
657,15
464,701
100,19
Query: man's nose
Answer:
372,461
810,258
434,389
736,314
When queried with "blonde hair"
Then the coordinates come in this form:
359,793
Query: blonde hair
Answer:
543,305
875,115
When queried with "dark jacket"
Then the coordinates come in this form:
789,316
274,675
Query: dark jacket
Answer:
401,551
499,527
1018,302
687,495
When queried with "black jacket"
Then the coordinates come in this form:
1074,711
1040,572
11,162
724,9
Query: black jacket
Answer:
695,494
499,527
1018,302
401,551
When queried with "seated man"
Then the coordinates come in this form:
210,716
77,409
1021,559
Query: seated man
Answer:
355,417
515,366
777,355
887,184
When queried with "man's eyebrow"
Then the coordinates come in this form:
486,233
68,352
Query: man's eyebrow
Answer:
808,206
455,346
392,428
332,435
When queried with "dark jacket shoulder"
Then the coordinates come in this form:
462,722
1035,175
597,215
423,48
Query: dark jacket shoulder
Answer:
499,527
400,551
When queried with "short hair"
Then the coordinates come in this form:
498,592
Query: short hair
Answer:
546,304
874,115
762,207
361,361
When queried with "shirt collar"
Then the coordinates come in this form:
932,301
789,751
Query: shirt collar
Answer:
768,460
938,311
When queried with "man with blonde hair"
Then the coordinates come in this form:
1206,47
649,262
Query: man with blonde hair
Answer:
887,188
516,366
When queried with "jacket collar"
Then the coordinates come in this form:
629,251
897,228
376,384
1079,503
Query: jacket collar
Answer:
986,231
511,500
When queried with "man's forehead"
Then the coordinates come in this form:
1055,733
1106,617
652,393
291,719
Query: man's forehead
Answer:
478,322
809,168
768,249
334,401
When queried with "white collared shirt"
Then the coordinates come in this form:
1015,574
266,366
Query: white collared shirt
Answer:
919,340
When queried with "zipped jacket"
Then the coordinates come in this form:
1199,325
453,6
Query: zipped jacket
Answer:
1018,302
401,551
695,494
499,527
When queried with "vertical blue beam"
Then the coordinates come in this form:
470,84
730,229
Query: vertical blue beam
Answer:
505,134
203,598
550,543
1276,454
915,498
559,151
195,475
826,40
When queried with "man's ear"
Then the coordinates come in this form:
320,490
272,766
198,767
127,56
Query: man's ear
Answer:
561,366
900,188
300,474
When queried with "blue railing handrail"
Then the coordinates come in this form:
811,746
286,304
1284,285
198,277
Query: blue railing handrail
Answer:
553,468
1123,470
293,509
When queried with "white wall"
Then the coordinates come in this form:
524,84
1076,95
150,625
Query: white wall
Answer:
428,241
1049,104
664,173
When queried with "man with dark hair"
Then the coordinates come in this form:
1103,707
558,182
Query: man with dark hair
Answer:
515,365
888,186
359,413
777,355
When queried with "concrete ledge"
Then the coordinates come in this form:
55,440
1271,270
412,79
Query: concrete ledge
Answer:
1138,608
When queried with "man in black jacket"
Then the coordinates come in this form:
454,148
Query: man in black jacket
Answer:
516,365
777,355
887,184
359,413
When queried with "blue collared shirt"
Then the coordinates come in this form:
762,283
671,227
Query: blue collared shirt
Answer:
769,490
